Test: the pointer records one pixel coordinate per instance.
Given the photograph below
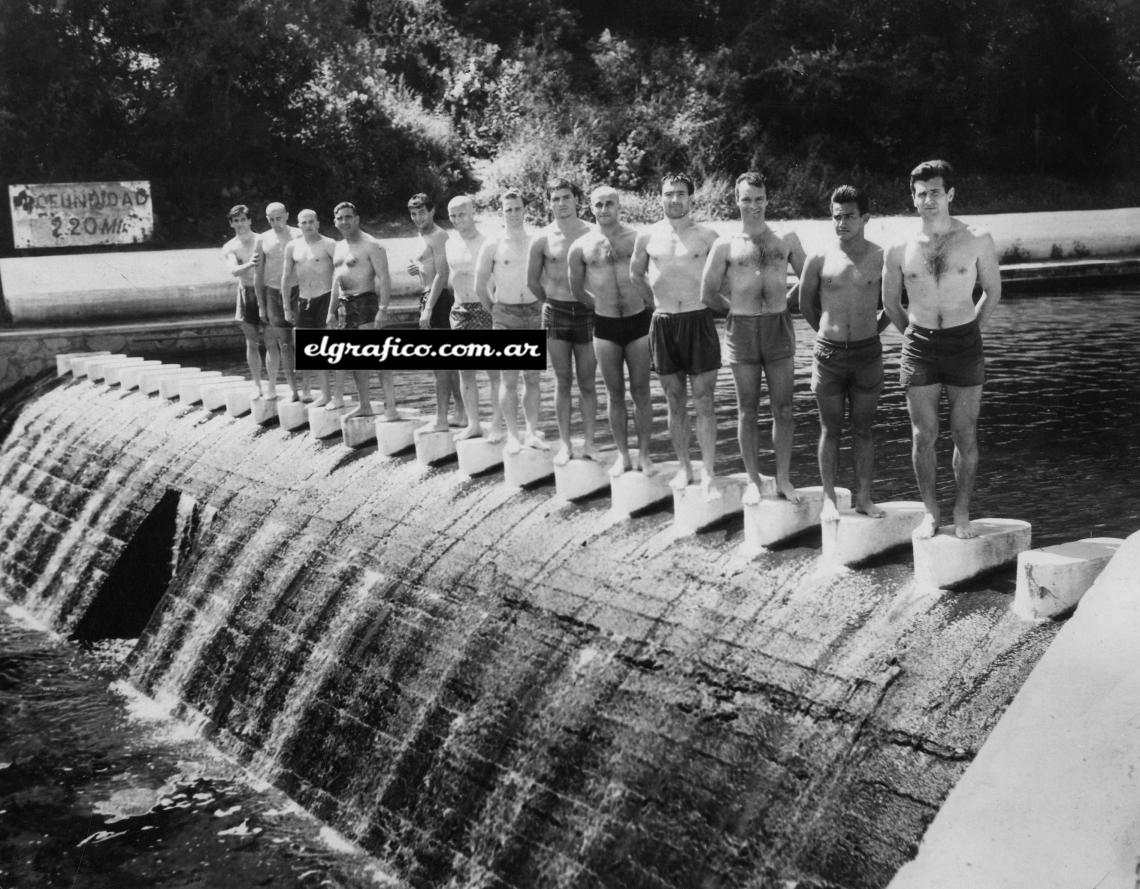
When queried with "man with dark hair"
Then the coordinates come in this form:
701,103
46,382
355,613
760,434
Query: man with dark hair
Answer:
569,323
666,265
599,277
362,285
759,337
942,341
309,261
500,281
280,297
840,297
242,253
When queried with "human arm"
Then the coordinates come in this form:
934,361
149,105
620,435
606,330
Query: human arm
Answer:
811,306
259,279
288,274
989,276
576,268
535,261
383,281
892,287
484,266
639,268
437,244
796,259
712,279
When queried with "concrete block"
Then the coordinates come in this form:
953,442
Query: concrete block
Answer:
97,367
694,509
77,363
433,446
856,537
131,376
394,436
293,414
63,360
1051,580
633,491
477,455
190,388
264,410
239,400
775,519
944,559
580,477
214,394
528,466
113,373
358,431
324,422
150,378
169,387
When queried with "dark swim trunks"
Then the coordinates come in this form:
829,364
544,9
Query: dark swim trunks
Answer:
247,310
359,309
951,356
568,320
470,316
685,342
313,314
623,330
275,306
441,311
758,339
841,368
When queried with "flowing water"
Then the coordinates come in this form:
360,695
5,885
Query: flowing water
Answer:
95,792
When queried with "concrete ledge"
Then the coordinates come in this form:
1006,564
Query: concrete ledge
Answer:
775,519
944,560
142,376
1051,799
358,431
395,436
527,467
694,509
150,383
433,446
81,364
293,414
239,400
581,477
170,386
856,538
113,374
97,367
63,360
634,491
214,394
324,422
190,388
1052,580
264,410
477,455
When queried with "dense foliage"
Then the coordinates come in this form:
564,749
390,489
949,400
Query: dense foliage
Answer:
220,101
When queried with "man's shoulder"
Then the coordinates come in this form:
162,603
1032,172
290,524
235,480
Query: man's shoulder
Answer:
294,233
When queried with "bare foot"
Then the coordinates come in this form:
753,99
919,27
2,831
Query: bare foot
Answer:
391,415
620,466
645,464
337,404
495,434
682,479
927,528
439,427
361,410
460,419
320,402
513,445
788,491
751,496
867,508
963,530
709,488
256,392
306,395
563,456
829,512
271,397
536,441
292,397
468,432
590,451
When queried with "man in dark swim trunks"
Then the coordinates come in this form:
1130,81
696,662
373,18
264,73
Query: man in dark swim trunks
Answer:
242,253
279,292
840,297
309,260
942,342
599,277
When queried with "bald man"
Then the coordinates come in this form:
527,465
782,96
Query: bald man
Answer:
309,260
277,292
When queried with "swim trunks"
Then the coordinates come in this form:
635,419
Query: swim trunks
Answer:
247,310
568,320
313,313
517,316
623,330
951,356
275,306
839,368
441,311
470,316
359,309
684,342
758,339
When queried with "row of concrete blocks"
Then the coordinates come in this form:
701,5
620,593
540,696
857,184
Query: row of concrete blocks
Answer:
1050,581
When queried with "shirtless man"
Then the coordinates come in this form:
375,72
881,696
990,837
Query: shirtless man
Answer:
599,278
500,281
568,322
362,284
309,261
470,312
759,337
942,341
279,336
242,254
436,300
667,261
840,292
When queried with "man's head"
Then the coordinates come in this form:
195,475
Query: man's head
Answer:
461,212
932,187
563,196
277,216
605,204
751,195
513,207
850,211
309,224
677,195
345,218
422,210
238,218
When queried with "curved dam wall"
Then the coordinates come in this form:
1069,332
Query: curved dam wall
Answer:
486,687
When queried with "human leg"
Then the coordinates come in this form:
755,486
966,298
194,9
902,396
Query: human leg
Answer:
781,377
922,404
965,405
703,386
831,408
637,362
748,378
610,355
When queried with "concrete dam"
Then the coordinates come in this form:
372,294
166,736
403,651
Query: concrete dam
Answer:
487,687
